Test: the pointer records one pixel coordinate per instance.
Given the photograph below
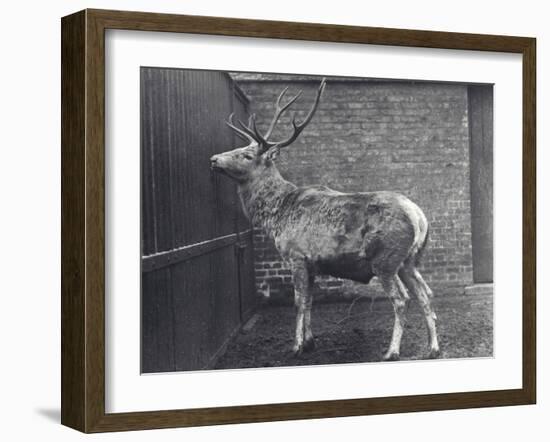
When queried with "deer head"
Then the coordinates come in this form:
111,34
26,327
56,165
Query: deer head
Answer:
245,163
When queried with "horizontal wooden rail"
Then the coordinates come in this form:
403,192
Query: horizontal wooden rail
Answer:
174,256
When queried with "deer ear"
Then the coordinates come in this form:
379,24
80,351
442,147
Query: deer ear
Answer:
273,153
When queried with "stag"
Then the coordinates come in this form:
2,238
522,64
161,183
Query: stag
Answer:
320,231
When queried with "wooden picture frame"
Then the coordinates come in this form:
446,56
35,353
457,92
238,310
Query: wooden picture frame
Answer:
83,220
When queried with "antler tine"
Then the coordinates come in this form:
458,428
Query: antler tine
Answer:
261,139
280,110
248,127
299,127
242,134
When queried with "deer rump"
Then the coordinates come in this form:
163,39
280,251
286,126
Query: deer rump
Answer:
349,235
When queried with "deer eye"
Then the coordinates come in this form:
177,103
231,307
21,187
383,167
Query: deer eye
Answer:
247,156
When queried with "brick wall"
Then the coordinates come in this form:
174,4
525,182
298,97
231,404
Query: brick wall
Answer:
369,135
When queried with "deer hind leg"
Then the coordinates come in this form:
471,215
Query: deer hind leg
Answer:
309,342
396,291
303,299
413,280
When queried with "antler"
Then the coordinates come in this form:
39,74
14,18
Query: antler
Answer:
299,127
249,132
280,110
242,134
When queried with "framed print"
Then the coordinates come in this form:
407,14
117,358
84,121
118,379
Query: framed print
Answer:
269,220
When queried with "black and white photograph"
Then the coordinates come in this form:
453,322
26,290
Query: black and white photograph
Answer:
298,220
269,221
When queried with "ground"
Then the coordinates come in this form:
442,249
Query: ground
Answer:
361,331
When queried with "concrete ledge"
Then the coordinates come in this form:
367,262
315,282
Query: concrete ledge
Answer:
479,289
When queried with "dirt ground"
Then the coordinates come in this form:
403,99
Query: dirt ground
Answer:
348,332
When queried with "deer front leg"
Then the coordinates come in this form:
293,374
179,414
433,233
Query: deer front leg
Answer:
303,340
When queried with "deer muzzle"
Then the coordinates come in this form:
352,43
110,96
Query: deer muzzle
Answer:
214,164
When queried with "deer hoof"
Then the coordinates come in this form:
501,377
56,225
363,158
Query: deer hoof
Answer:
435,353
297,351
391,357
308,346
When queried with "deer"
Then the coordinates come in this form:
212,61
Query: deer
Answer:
321,231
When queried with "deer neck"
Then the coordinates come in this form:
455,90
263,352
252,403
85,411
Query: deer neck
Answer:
263,197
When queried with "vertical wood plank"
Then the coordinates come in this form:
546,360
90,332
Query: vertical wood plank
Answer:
480,116
148,215
157,322
161,130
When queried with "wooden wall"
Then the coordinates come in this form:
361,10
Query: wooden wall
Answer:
197,270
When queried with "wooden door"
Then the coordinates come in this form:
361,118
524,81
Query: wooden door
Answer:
480,111
196,245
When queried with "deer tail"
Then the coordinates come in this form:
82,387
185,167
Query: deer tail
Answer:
420,251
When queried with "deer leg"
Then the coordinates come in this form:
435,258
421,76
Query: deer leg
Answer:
309,342
421,291
303,340
398,295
